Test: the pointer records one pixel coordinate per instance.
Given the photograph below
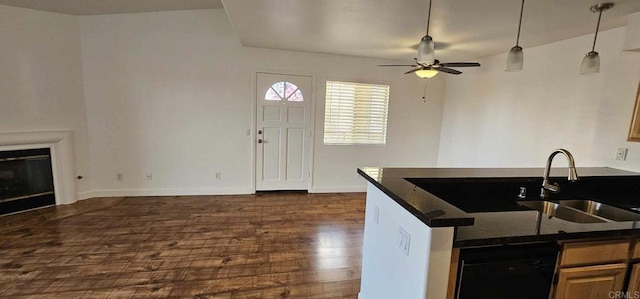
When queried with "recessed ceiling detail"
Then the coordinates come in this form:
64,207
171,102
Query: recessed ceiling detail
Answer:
100,7
390,28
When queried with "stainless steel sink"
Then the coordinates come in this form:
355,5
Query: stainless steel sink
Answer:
601,210
562,212
581,211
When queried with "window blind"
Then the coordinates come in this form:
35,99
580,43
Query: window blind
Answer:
356,113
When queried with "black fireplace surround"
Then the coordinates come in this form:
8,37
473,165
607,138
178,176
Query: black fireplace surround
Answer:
26,180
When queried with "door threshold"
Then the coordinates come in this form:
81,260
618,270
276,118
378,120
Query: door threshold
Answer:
261,192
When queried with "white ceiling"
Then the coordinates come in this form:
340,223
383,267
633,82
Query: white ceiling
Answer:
462,29
99,7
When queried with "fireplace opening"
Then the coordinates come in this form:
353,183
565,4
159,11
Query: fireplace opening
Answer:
26,180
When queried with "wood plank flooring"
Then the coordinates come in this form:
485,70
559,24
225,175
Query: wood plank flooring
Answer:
250,246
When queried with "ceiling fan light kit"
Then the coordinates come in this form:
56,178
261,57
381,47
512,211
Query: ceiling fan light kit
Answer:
591,61
515,58
426,50
426,73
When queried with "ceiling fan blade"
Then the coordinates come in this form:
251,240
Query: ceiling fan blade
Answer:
411,65
413,70
460,64
449,71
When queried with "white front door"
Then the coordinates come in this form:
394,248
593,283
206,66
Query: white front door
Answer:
283,130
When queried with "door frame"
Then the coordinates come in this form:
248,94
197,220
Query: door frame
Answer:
254,109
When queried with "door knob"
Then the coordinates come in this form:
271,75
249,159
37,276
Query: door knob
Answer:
259,140
259,132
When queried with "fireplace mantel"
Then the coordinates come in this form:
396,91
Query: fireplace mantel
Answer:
62,159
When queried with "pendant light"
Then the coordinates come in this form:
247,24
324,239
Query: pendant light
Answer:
591,62
426,48
515,58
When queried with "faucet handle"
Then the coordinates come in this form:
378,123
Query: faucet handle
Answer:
555,188
523,193
546,188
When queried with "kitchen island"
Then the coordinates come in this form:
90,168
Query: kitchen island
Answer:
418,218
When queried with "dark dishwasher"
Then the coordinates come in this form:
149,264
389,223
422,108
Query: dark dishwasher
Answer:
511,271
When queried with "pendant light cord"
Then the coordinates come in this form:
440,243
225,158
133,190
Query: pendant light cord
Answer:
428,17
520,23
593,48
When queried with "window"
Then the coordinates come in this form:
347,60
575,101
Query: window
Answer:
284,90
356,113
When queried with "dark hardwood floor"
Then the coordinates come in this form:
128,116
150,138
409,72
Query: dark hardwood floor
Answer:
254,246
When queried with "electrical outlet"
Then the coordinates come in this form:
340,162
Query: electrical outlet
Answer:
404,240
119,177
149,176
218,176
621,154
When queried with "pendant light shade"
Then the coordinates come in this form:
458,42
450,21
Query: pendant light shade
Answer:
426,50
591,61
426,73
515,58
590,64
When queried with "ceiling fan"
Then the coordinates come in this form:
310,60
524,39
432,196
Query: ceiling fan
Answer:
426,66
428,70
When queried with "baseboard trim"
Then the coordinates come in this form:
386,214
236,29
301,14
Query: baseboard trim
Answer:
205,191
162,192
338,189
86,195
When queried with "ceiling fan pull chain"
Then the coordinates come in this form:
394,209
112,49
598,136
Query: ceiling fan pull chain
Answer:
424,94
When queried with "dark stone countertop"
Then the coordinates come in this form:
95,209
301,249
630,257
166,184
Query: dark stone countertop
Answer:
482,202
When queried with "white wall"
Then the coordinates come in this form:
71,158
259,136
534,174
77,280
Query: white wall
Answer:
172,93
422,271
494,118
41,77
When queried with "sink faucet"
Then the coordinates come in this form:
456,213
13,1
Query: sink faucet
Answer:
555,188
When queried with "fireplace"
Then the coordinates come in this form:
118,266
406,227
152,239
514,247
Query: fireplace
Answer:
26,180
60,146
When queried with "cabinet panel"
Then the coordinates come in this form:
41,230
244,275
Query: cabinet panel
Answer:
634,280
635,252
453,273
593,282
591,253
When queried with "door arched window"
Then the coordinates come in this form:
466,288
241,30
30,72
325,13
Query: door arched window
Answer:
284,91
